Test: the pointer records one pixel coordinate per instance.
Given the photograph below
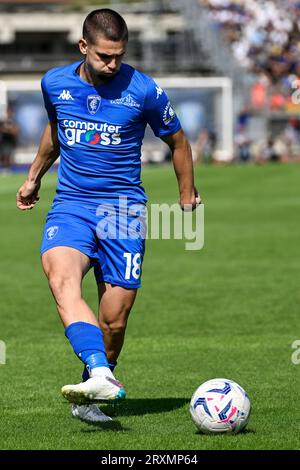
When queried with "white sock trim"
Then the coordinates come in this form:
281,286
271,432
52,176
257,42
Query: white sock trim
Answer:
100,371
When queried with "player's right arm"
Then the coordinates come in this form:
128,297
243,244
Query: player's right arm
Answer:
48,152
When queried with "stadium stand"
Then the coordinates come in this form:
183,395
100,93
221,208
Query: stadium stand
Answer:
264,39
253,43
35,36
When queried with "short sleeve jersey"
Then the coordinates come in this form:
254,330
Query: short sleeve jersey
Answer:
100,131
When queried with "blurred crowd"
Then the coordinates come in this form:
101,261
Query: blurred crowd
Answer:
265,39
281,147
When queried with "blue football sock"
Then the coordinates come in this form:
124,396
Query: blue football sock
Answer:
87,342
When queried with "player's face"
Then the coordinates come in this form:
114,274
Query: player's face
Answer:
104,57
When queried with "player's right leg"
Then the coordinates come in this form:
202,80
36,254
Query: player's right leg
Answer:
65,266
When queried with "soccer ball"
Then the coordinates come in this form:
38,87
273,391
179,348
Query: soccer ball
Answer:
219,406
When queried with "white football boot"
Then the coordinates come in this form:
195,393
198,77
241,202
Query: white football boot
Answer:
100,387
89,414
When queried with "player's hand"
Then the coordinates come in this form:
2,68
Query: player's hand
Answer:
189,202
28,195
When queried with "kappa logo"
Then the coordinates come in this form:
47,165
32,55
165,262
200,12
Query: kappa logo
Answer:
51,232
127,101
65,95
93,103
159,91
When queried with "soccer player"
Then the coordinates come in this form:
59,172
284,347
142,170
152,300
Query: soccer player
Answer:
98,109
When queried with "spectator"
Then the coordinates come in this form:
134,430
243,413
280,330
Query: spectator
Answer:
268,152
205,146
8,140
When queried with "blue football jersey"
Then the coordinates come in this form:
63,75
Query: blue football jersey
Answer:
100,131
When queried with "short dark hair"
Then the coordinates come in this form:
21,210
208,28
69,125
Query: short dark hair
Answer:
106,22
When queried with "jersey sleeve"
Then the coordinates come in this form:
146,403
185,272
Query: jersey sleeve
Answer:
158,111
47,101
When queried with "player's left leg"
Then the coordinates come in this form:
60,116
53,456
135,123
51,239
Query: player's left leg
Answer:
115,303
117,274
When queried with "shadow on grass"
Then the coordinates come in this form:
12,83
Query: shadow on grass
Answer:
106,426
241,433
144,406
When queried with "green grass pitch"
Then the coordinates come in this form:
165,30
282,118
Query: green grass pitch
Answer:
230,310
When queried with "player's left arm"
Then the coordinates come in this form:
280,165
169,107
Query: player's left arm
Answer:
183,166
